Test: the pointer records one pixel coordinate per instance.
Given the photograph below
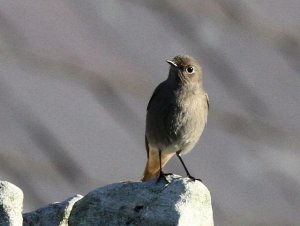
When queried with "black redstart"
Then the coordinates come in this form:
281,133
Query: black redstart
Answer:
176,116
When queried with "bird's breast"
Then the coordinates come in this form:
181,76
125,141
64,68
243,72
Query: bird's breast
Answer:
177,124
186,121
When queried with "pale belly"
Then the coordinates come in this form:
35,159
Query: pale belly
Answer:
187,134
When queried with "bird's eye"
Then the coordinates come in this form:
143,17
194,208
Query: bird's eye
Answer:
190,70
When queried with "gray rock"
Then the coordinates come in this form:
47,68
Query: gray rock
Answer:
11,204
55,214
181,202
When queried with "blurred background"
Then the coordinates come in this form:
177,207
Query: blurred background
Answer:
76,77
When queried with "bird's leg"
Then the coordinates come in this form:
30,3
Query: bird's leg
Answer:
161,173
186,170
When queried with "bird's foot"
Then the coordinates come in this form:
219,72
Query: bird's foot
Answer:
193,178
163,175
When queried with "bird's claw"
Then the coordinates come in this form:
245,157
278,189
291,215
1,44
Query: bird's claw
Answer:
193,178
163,175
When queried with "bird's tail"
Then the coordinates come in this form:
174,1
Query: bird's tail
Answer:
152,168
150,174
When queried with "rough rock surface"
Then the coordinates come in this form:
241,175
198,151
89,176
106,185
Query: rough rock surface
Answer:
11,204
55,214
181,202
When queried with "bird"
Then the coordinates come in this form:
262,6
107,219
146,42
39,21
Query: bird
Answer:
176,116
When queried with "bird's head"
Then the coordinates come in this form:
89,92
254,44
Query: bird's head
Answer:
185,70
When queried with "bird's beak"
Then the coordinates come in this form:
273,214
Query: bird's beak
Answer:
172,63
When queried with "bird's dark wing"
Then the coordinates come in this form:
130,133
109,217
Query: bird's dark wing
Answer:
207,99
158,90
